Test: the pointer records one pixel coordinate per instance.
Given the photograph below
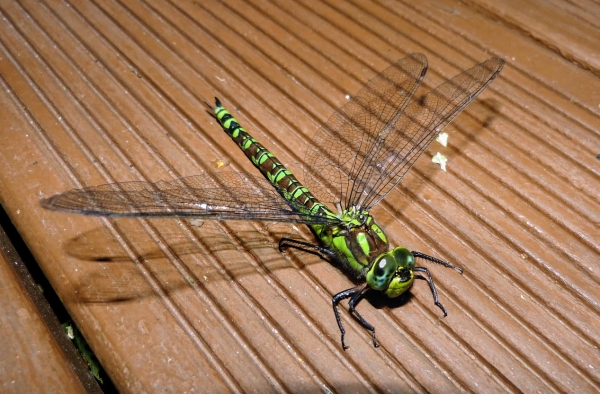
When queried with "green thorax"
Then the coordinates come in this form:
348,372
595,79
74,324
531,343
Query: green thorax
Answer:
358,240
362,247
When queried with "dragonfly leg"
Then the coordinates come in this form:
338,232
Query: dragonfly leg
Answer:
354,294
352,303
437,261
429,280
305,246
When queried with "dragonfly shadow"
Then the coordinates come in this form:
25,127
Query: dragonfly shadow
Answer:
490,108
478,118
111,274
379,300
463,131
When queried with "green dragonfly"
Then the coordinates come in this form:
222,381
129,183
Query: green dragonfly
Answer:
357,157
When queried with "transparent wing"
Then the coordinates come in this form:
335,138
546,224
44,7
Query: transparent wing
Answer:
410,132
399,139
343,144
219,196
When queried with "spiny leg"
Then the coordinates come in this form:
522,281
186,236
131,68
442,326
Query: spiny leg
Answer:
352,304
429,278
355,293
306,246
437,261
335,300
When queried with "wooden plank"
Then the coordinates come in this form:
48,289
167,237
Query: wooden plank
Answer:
36,353
101,92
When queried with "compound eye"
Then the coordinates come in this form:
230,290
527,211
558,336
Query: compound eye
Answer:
382,272
404,258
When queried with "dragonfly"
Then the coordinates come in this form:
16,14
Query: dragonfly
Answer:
355,159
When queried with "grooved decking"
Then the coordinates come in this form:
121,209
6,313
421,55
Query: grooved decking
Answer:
99,92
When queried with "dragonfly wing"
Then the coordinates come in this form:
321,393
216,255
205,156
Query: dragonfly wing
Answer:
219,196
342,145
410,131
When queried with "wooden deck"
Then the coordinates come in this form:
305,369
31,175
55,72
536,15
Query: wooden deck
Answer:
110,91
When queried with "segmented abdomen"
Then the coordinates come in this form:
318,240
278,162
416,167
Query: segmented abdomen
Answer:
280,177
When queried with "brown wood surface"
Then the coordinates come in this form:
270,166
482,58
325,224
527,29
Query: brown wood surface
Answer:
37,355
98,92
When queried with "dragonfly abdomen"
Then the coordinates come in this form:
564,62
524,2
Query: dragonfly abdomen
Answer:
288,186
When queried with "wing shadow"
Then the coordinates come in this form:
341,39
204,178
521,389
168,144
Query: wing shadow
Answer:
177,260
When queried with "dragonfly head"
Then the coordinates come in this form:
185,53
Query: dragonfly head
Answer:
392,272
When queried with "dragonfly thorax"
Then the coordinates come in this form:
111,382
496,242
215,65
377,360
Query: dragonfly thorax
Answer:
357,240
